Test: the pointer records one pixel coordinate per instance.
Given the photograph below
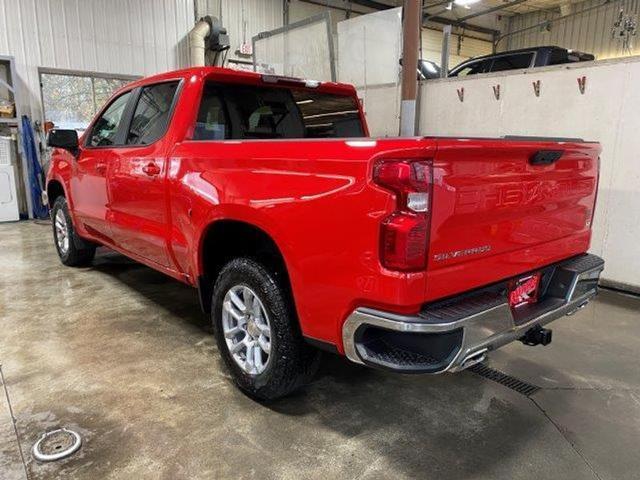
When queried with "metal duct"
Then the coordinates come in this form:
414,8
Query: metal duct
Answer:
197,43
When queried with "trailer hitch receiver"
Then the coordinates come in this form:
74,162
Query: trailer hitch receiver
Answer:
537,336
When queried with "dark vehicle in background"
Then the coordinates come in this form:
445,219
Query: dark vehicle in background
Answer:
520,59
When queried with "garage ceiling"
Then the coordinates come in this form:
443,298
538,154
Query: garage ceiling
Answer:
509,7
524,7
520,7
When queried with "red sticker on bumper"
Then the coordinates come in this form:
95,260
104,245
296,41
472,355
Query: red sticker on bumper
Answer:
524,290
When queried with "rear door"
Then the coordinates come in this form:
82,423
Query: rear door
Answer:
137,181
517,204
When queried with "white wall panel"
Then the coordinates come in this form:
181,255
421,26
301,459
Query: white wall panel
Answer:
607,112
131,37
365,56
243,18
381,105
300,10
460,48
589,31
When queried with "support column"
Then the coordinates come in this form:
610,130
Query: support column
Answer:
411,21
444,59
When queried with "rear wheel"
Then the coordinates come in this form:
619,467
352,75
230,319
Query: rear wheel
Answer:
72,250
257,332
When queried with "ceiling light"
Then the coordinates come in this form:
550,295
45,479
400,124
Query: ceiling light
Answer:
465,3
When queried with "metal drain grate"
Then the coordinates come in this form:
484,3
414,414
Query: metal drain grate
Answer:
508,381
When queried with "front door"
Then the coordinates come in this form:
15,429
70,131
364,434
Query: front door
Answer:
88,185
138,180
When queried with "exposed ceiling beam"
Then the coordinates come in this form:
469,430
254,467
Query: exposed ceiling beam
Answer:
372,4
437,4
457,23
436,18
491,10
334,5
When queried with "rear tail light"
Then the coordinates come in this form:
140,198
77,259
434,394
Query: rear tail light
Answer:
404,235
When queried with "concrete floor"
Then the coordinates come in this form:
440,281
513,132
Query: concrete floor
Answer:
123,355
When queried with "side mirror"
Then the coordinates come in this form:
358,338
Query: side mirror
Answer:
65,139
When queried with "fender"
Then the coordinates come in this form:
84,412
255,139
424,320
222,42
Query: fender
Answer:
241,214
60,170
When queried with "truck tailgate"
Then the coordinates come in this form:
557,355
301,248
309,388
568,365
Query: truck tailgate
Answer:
504,207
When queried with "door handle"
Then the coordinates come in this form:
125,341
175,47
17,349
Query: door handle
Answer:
151,169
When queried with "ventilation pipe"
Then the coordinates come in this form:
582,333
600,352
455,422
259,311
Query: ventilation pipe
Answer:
198,41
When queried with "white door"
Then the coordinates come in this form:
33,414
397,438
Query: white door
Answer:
8,195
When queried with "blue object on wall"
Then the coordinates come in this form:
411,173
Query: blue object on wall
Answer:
34,169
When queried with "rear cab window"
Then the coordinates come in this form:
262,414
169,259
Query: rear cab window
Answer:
252,112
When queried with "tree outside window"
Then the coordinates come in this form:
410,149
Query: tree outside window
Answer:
72,100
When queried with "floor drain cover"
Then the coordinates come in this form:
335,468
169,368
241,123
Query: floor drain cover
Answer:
508,381
56,445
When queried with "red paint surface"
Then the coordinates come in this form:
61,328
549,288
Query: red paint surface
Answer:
493,215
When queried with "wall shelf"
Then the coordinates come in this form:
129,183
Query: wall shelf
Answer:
9,81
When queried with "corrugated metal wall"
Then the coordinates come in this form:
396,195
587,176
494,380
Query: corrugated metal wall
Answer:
133,37
589,32
243,18
460,48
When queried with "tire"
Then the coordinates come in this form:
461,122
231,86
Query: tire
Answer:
72,250
290,362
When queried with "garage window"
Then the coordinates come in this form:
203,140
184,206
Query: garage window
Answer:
72,99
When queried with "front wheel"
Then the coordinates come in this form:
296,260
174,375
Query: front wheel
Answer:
72,250
257,332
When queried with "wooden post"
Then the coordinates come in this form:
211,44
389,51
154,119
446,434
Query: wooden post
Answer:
411,24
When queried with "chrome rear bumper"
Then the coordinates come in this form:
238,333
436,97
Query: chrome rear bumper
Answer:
457,333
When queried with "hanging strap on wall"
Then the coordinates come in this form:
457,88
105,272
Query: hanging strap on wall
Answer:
34,169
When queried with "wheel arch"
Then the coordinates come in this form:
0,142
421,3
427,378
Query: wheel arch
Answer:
55,189
227,238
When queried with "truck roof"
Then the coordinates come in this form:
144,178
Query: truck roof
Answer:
541,48
246,77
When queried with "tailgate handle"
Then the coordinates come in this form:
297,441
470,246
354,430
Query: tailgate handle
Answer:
545,157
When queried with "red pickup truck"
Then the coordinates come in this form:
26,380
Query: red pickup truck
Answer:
417,255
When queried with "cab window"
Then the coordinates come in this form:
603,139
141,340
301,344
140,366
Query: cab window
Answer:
472,68
212,123
512,62
151,115
245,112
104,132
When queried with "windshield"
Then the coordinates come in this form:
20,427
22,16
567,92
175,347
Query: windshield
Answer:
244,112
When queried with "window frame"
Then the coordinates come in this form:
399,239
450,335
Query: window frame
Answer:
225,111
85,74
490,59
471,63
532,61
136,98
127,116
234,123
86,143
